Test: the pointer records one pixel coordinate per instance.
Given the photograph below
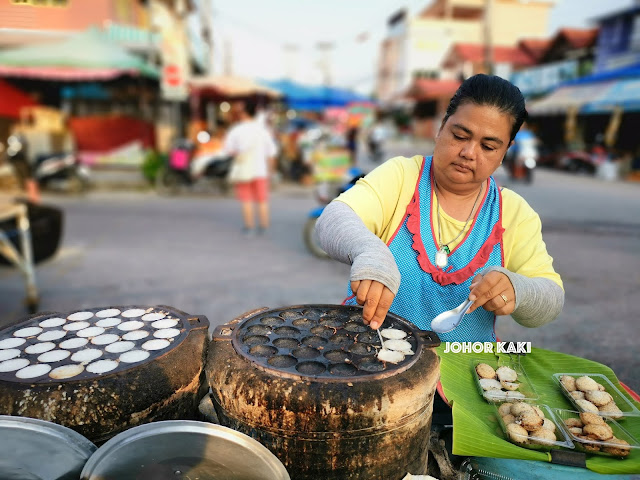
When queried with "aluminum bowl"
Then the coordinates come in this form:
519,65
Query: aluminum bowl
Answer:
181,450
35,449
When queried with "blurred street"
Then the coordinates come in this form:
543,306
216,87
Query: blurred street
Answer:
134,247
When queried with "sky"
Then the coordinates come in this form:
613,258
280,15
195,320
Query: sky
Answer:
275,38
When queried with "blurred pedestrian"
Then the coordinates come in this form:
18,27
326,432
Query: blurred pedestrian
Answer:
524,148
376,138
252,146
352,140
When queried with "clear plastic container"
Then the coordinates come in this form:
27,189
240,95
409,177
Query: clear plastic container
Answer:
562,437
524,393
596,447
627,408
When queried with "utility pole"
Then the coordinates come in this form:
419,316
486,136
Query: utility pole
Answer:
207,32
488,40
325,61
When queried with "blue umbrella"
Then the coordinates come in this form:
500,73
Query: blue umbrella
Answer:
305,97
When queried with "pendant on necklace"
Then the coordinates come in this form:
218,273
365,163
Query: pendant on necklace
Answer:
442,258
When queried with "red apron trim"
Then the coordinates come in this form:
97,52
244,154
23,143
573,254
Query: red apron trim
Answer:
440,391
344,302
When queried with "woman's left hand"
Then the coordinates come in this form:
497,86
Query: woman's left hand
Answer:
493,292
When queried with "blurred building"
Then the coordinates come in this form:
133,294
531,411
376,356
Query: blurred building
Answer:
24,22
619,41
594,104
132,92
417,46
466,59
568,55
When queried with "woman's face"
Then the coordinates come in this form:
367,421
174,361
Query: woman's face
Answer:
471,144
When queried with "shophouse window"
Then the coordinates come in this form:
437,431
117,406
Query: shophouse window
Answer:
634,40
616,34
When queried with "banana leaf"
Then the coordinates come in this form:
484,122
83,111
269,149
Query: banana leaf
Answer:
475,428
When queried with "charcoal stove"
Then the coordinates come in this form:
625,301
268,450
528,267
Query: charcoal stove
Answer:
102,370
305,382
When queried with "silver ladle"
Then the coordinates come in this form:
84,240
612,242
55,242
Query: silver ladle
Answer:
447,321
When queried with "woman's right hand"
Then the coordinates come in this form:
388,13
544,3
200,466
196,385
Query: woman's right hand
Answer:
376,299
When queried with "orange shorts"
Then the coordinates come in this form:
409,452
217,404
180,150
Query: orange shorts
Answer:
257,190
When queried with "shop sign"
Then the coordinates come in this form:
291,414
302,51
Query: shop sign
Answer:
545,77
173,51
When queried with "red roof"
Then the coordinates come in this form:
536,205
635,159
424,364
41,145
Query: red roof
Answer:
431,89
13,100
535,47
474,52
579,38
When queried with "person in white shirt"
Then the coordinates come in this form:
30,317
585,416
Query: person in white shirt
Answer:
377,137
251,137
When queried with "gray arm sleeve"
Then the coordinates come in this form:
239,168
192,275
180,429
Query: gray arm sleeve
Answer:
538,300
343,235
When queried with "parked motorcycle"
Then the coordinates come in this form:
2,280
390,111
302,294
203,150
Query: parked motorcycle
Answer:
57,171
325,192
63,172
184,171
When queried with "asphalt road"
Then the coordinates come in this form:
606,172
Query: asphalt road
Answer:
125,248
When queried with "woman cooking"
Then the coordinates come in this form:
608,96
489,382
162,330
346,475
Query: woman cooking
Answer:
424,233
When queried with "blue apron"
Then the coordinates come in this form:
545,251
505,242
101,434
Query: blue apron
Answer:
427,290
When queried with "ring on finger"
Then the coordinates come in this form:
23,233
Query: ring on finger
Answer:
504,297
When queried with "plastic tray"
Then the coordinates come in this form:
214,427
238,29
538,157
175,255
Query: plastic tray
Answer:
580,443
526,388
628,409
562,437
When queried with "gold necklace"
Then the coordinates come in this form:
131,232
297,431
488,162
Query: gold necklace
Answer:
442,255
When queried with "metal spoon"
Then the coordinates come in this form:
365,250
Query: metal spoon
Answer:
380,335
447,321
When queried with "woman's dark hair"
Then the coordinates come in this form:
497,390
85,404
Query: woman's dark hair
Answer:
492,91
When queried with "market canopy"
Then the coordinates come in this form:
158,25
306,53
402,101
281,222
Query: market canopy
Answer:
314,98
13,100
229,86
623,94
340,97
568,98
89,55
